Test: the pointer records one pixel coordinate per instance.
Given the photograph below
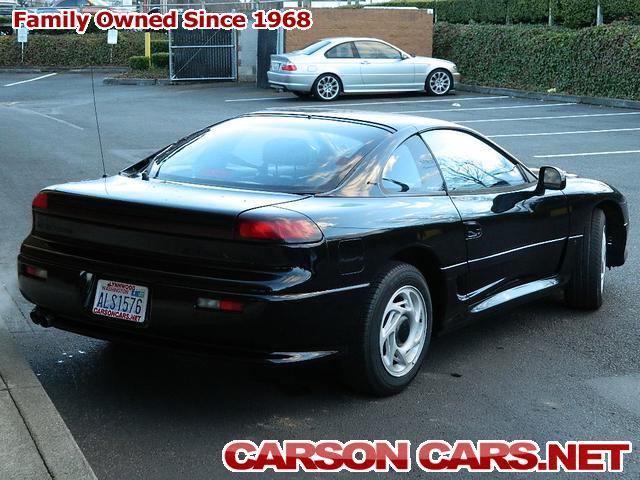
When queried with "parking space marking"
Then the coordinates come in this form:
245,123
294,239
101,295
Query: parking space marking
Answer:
575,132
586,154
31,79
587,115
486,108
44,115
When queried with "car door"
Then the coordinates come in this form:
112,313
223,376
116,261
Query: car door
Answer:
383,67
514,234
343,59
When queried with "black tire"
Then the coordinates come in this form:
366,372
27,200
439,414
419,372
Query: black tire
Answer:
439,82
321,87
584,290
364,368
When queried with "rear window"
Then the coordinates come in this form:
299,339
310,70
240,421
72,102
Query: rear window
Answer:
284,154
313,48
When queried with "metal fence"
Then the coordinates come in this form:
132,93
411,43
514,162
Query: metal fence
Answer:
203,54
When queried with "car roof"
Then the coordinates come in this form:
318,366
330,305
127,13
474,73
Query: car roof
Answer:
350,39
394,121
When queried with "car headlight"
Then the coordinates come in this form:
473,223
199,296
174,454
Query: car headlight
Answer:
454,68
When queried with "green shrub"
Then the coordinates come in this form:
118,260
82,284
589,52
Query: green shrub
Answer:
598,61
139,62
569,13
160,60
71,49
159,46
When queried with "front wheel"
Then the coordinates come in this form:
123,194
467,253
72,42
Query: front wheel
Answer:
394,334
326,87
439,82
584,290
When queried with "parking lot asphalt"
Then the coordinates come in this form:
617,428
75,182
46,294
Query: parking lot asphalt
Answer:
541,372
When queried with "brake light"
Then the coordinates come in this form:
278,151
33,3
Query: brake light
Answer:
288,67
288,230
41,200
223,305
36,272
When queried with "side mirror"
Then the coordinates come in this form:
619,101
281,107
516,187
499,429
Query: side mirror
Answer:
406,56
551,178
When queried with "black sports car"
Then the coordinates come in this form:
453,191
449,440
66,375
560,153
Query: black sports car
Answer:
289,236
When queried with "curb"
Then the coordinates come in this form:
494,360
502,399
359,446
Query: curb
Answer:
45,430
555,97
133,81
64,70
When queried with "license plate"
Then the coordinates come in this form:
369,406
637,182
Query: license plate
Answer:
275,66
123,301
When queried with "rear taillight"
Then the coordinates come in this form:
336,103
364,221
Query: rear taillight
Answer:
41,200
292,228
36,272
288,67
223,305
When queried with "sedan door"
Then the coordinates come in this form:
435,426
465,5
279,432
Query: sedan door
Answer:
343,59
383,67
514,234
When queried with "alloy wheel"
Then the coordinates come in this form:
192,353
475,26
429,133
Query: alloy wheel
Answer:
403,331
440,82
328,87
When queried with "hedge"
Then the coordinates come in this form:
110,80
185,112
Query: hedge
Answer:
570,13
598,61
139,62
160,59
159,46
71,50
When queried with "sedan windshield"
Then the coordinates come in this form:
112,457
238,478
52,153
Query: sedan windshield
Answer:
273,153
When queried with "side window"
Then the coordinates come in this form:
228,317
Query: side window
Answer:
468,163
367,49
411,170
344,50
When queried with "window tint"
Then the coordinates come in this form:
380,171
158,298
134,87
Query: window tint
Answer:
313,48
377,50
469,163
285,154
344,50
412,170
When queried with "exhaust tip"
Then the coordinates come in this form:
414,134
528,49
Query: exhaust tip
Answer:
40,317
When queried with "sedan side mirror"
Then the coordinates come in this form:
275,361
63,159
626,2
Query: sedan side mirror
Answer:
551,178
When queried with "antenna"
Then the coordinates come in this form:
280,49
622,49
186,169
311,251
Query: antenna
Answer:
95,111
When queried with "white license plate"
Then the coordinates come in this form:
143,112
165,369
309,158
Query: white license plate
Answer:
123,301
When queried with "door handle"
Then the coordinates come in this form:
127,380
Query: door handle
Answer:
365,62
473,230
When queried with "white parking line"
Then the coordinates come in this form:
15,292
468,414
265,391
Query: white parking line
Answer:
396,102
575,132
487,108
31,79
586,154
548,118
44,115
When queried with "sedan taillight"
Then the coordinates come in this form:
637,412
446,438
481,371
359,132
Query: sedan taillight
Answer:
284,227
41,201
288,67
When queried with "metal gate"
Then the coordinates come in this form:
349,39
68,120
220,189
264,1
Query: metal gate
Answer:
203,54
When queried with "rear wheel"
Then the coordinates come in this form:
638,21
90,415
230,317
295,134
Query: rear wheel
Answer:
394,334
326,87
586,286
439,82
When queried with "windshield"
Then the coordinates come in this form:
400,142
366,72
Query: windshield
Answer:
313,48
284,154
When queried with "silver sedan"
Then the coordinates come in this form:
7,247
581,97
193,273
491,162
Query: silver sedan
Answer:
332,66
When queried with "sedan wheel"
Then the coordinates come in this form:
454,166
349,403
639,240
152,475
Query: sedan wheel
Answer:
393,337
586,286
327,87
439,82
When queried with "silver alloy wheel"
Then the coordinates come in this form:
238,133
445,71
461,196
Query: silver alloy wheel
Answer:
603,256
328,87
440,82
403,331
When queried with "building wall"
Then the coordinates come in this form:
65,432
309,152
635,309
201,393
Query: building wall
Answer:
247,54
411,30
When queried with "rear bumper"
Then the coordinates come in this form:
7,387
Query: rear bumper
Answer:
274,328
298,82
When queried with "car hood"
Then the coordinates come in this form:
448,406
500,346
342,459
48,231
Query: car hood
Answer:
435,62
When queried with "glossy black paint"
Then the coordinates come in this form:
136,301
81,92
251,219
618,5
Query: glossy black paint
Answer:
479,251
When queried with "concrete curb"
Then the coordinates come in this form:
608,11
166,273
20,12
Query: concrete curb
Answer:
37,421
133,81
64,70
554,97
